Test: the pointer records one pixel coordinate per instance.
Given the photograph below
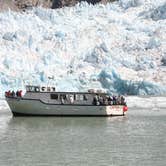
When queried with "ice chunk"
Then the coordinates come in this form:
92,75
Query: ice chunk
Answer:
9,36
129,3
159,13
156,13
153,43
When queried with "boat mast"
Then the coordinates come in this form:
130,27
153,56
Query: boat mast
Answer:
49,78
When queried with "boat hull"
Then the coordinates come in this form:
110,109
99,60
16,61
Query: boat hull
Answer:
35,107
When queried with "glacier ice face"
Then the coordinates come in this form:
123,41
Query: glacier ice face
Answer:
114,47
157,13
113,82
129,3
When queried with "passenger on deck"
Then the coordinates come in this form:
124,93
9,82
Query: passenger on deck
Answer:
62,100
114,100
100,100
118,100
110,100
17,93
9,93
20,93
122,100
95,100
105,101
71,99
13,94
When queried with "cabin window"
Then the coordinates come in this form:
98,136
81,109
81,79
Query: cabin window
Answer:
48,89
54,96
28,89
76,97
37,89
53,89
70,96
85,97
31,88
63,96
81,97
43,88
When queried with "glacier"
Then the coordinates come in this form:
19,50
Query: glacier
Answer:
119,47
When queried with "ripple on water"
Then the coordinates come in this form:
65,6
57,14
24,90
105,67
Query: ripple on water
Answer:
136,139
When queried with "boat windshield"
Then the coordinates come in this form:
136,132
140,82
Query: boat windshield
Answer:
32,88
39,89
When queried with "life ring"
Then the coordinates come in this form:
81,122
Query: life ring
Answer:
125,108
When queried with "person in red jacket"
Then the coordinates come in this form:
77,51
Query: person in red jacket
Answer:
20,93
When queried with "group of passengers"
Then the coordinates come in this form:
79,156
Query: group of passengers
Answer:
109,100
9,93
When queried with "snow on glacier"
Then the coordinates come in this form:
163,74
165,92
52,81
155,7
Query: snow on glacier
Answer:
119,47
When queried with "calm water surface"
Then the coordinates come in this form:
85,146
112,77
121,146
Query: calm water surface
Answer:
137,139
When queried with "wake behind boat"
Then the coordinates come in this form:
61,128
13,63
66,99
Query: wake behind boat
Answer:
46,101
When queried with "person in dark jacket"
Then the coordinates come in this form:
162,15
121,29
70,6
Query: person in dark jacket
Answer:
114,100
17,93
13,94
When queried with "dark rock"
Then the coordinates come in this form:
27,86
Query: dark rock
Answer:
56,4
28,4
61,3
24,4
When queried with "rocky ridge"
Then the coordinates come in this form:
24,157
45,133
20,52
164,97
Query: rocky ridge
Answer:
25,4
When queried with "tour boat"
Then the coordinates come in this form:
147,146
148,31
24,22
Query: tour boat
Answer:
45,101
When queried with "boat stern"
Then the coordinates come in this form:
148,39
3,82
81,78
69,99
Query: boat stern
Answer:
116,110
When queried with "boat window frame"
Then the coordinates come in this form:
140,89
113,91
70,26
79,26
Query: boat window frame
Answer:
63,96
43,89
53,89
32,88
48,89
54,94
85,97
81,97
37,89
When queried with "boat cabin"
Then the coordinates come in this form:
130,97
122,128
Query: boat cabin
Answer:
49,95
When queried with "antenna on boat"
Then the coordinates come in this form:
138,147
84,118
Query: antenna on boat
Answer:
23,83
49,78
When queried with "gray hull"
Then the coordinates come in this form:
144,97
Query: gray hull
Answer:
20,106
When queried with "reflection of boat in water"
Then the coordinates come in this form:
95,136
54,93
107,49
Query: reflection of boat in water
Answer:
46,101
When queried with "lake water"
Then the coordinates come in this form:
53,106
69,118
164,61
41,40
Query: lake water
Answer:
139,138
